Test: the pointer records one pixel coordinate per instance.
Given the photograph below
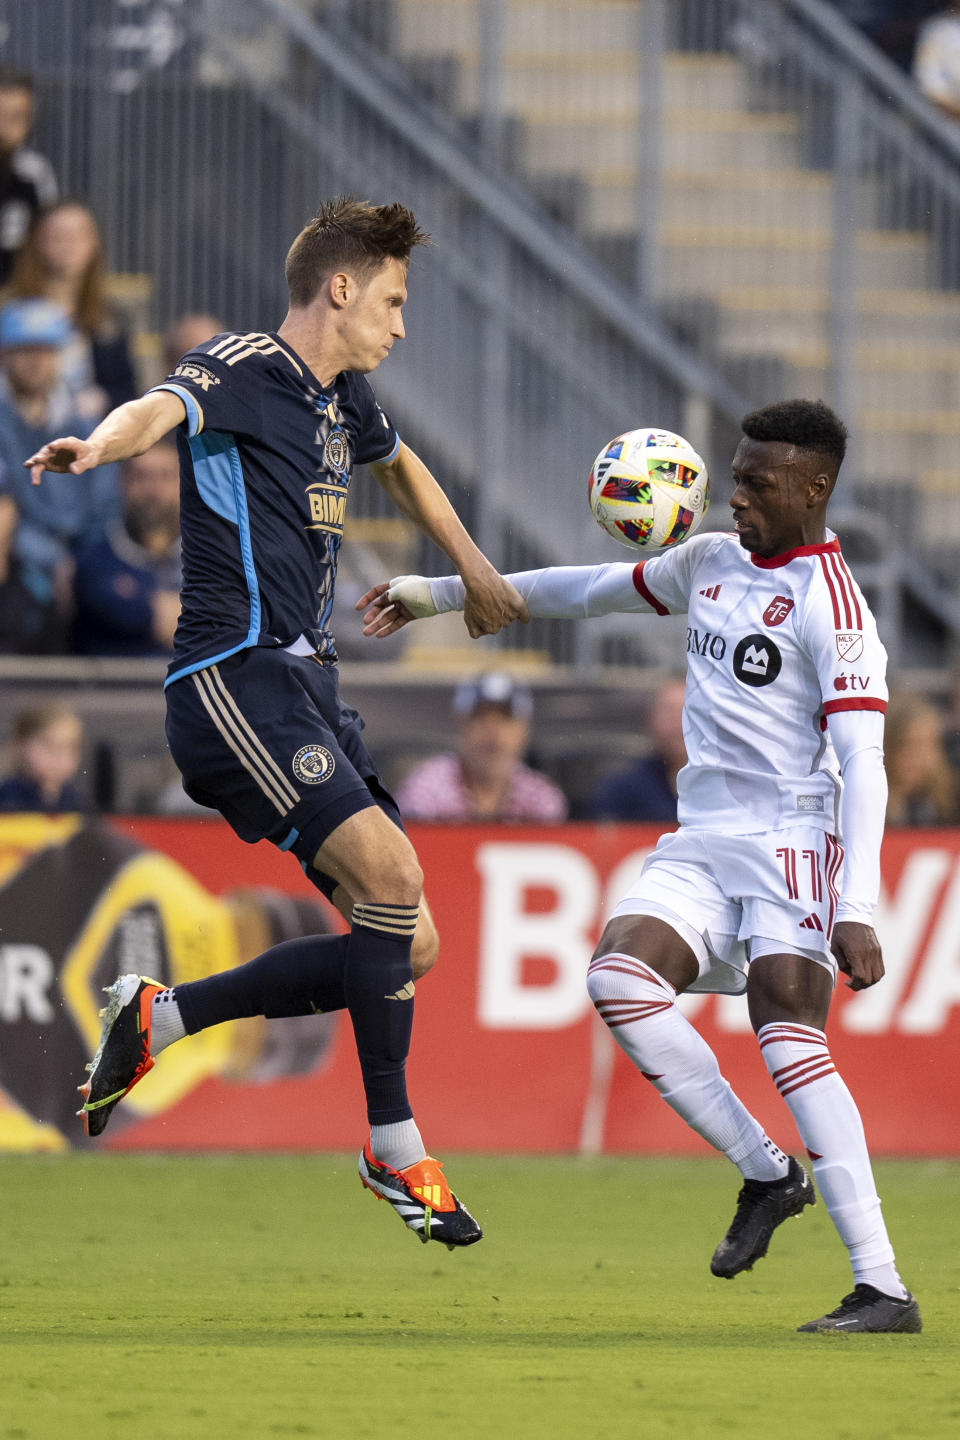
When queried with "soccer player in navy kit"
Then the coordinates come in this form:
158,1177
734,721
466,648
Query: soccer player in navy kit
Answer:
269,427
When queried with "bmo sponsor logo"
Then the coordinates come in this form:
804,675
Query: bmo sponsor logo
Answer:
543,906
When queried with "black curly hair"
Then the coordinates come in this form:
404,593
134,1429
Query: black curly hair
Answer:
808,424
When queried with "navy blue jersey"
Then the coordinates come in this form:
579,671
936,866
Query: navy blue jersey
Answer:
266,456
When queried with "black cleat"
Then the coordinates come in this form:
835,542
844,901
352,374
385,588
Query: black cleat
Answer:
867,1311
422,1198
762,1205
123,1055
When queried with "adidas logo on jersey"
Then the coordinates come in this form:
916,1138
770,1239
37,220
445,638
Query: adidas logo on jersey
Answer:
812,922
712,592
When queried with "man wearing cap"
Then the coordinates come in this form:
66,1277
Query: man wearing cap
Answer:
486,778
40,525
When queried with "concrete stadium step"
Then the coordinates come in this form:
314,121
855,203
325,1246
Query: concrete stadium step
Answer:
729,195
697,258
538,27
711,82
561,89
591,145
884,376
693,140
764,317
910,445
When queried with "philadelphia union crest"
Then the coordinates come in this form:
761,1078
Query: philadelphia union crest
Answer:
313,764
336,455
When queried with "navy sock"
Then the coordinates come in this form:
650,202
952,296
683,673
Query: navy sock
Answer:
378,980
296,977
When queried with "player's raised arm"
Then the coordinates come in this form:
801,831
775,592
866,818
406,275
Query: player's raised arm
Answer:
490,602
129,430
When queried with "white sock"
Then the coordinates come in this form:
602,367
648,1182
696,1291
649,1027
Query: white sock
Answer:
830,1127
398,1145
639,1008
165,1022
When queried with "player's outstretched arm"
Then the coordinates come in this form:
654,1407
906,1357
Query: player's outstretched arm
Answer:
490,602
561,592
129,430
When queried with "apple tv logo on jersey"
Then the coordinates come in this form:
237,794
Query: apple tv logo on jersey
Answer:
756,660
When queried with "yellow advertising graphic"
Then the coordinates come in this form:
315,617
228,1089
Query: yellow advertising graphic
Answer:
81,903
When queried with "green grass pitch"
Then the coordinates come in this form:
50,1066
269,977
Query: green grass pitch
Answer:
212,1297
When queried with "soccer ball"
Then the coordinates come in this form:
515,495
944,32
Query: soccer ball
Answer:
649,489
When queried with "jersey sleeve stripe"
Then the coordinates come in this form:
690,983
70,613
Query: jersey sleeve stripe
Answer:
642,588
864,702
825,567
190,404
838,590
843,589
843,573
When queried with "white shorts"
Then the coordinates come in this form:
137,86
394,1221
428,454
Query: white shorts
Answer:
733,898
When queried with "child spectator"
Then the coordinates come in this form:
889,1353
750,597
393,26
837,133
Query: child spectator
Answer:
63,261
485,779
127,584
47,746
27,182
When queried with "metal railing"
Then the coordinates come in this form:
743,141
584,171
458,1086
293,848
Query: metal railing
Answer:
204,136
750,202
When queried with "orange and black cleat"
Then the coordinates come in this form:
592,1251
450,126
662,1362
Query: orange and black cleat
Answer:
123,1055
422,1198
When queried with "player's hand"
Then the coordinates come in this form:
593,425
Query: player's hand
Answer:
390,606
858,953
66,456
491,603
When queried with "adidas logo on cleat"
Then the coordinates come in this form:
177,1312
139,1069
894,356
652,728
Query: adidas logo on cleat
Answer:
422,1198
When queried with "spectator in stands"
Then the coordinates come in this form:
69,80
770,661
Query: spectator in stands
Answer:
922,785
185,334
27,182
49,519
647,789
47,746
127,584
485,779
63,261
936,64
891,24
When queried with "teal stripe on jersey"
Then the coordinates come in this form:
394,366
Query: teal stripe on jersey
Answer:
219,478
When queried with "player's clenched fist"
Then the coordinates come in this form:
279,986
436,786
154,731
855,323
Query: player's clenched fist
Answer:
68,455
491,603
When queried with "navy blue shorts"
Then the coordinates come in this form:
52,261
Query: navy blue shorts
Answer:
264,738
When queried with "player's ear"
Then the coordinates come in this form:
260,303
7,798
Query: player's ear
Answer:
340,289
819,488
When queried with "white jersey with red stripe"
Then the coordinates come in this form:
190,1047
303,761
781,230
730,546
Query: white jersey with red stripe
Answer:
774,647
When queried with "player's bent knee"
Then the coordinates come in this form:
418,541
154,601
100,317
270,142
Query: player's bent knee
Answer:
426,948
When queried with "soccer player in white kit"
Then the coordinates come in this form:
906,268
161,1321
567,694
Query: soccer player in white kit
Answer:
783,724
